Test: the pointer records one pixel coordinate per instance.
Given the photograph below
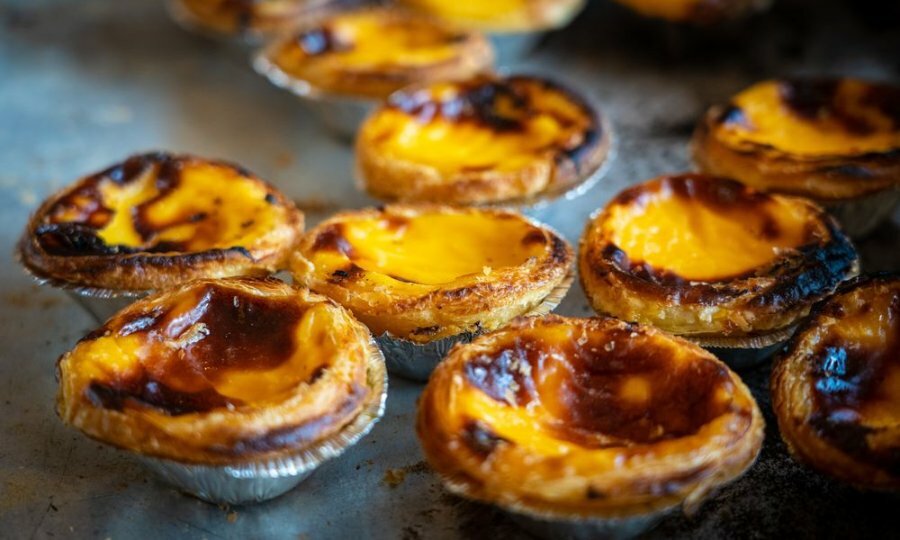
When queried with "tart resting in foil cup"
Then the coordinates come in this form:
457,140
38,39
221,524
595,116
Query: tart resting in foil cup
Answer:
257,481
741,353
415,361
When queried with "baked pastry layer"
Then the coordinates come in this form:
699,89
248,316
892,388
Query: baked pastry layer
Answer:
218,371
701,256
500,15
237,17
836,388
370,53
565,417
701,12
485,140
828,139
157,220
424,273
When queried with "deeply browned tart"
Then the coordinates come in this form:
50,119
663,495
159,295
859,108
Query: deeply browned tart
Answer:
586,419
370,53
712,259
244,17
485,140
836,141
500,15
836,388
700,12
157,220
218,371
423,273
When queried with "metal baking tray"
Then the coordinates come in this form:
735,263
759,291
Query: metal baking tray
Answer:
85,83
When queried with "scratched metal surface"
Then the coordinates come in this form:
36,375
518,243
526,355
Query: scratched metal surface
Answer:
84,83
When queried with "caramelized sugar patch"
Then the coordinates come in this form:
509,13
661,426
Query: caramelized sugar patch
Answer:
210,347
159,203
690,228
856,375
603,389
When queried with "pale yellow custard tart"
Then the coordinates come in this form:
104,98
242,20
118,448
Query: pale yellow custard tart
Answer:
588,428
422,273
157,220
500,15
254,19
233,389
712,260
836,388
836,141
700,12
488,140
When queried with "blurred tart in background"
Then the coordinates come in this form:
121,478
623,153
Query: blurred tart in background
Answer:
699,12
157,220
712,260
486,140
836,388
584,423
254,18
836,141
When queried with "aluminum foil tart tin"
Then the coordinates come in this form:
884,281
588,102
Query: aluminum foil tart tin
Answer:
590,529
253,482
746,352
514,47
416,361
340,115
860,216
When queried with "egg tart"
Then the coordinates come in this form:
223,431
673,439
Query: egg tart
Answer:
481,141
350,60
712,260
836,388
243,377
700,12
243,18
836,141
157,220
421,275
587,423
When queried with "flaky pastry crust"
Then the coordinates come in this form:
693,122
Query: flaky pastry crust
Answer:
423,273
157,220
218,372
835,387
369,53
778,256
482,141
825,139
586,418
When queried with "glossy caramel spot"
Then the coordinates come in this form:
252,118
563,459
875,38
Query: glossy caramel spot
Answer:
855,370
484,124
159,203
701,229
430,248
208,347
815,117
599,389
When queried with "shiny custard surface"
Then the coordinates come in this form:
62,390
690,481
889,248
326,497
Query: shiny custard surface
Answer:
495,14
431,248
369,40
814,117
208,348
159,203
483,125
702,229
855,374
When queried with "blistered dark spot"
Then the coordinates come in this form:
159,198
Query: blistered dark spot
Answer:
331,238
815,99
426,330
150,393
534,237
343,275
480,438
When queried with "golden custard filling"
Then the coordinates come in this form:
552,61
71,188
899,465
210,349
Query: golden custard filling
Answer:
161,203
212,347
811,118
498,15
430,249
481,125
699,236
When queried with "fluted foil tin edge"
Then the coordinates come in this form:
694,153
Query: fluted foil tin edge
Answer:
416,361
263,480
